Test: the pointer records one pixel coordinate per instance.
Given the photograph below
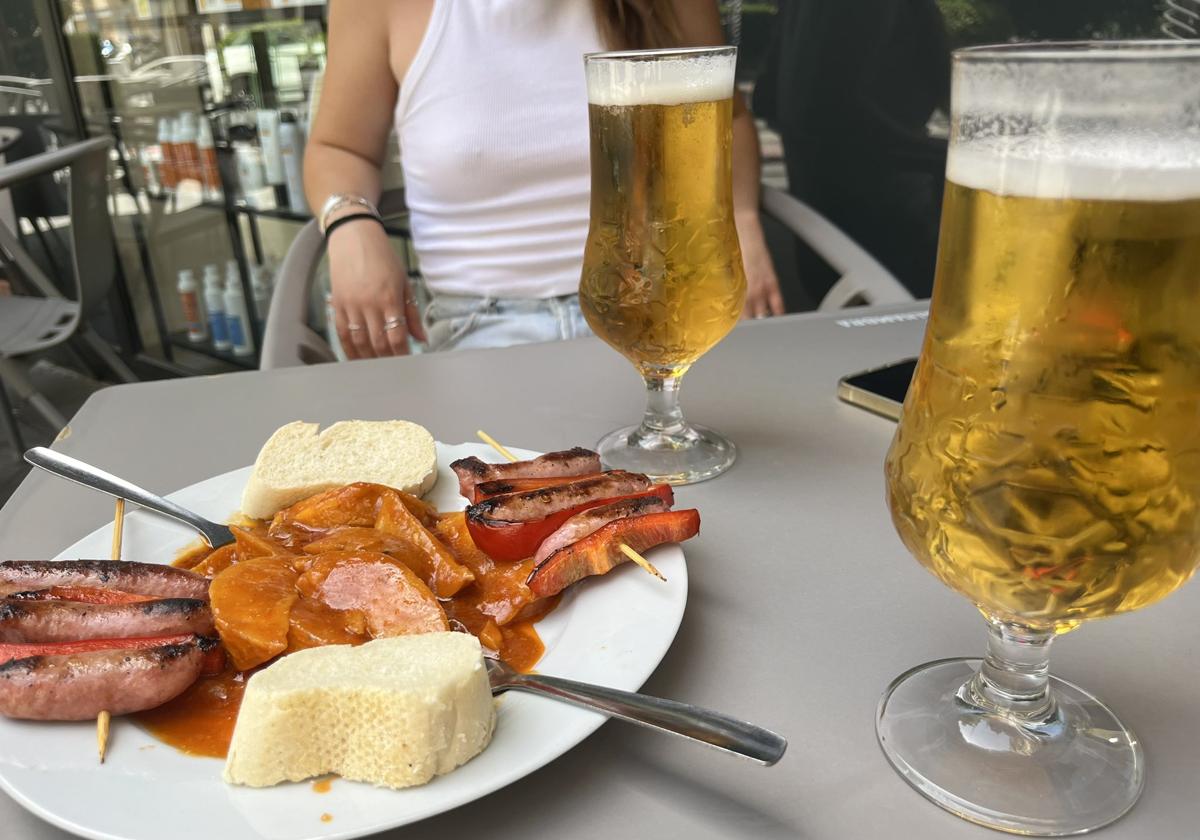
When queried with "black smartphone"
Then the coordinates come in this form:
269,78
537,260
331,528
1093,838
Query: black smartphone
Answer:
880,390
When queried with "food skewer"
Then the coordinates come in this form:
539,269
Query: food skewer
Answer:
626,550
104,719
495,444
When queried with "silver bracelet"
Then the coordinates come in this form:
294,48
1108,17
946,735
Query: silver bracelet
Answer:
339,200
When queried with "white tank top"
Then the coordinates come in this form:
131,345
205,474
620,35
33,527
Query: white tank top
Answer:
493,126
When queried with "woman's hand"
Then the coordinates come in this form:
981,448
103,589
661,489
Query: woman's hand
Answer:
763,297
373,309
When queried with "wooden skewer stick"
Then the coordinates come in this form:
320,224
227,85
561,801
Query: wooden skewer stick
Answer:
626,550
495,444
642,561
104,719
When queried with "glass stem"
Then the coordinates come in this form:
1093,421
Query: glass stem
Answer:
1014,679
663,415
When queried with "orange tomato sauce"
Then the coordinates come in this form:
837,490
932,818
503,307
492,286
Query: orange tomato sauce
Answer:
357,523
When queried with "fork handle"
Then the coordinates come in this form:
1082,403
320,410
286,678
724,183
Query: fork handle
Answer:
683,719
75,470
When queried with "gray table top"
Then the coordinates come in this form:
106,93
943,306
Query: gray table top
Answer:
803,604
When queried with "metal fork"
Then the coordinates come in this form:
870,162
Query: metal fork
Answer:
72,469
708,727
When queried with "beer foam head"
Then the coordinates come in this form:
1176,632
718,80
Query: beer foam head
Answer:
660,77
1098,122
1063,170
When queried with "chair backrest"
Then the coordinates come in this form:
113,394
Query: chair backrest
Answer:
93,254
288,340
93,249
862,277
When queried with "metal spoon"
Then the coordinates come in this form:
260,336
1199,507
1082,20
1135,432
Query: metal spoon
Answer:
64,466
708,727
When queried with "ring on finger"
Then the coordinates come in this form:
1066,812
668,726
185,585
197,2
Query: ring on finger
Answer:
393,323
354,327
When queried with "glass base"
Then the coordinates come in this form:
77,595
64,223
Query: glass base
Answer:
684,456
1074,771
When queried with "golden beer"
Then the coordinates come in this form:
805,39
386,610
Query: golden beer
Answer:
1047,465
662,277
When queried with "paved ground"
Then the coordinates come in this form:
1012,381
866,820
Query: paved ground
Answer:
67,390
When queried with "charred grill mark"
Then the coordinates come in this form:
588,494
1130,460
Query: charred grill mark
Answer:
20,667
169,606
621,483
494,488
567,455
470,466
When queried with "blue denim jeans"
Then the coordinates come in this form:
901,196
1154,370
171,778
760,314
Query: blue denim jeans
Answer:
461,322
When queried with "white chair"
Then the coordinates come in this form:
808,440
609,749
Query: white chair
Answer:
862,277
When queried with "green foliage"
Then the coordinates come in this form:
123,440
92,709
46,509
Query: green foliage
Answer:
987,21
976,21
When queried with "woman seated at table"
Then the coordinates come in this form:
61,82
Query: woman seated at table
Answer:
490,107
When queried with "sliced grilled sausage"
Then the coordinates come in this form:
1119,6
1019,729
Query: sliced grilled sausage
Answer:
127,576
577,461
599,552
78,686
590,521
537,504
65,621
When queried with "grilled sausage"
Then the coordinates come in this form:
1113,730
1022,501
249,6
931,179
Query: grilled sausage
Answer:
78,686
64,621
590,521
577,461
536,504
127,576
600,552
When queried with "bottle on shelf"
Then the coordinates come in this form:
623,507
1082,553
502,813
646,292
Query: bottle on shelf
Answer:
189,296
185,145
260,284
236,316
166,144
291,146
250,171
210,174
272,155
214,302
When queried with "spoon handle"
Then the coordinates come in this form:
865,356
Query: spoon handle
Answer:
75,470
683,719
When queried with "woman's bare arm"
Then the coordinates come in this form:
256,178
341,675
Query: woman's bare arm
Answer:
345,154
701,26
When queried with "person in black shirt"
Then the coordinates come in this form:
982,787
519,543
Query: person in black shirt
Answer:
850,87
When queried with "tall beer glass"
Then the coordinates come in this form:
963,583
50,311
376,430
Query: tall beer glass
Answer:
662,271
1047,463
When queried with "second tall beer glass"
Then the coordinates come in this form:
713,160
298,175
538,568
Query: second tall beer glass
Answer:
1047,463
662,273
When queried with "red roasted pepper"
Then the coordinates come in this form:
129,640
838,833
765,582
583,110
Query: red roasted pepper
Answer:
22,650
512,541
85,595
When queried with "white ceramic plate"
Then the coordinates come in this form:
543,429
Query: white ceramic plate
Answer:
612,630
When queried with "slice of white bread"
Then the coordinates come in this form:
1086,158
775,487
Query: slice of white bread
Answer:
297,462
393,712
